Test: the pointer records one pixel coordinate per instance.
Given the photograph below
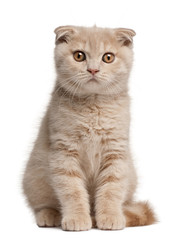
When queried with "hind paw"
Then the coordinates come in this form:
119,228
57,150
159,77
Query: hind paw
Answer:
48,217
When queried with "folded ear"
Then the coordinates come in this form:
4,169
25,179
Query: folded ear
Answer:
64,34
125,36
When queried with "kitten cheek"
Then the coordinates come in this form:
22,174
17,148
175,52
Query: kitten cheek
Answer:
78,66
123,70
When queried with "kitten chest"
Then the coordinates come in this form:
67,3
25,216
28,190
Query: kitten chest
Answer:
96,125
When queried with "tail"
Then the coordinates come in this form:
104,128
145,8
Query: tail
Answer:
139,214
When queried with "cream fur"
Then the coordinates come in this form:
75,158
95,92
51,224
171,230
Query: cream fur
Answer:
80,167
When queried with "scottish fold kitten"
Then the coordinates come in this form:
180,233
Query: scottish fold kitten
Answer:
80,173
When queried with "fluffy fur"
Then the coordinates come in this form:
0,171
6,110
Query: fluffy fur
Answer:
80,173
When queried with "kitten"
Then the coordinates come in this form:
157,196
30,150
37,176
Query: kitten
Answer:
80,173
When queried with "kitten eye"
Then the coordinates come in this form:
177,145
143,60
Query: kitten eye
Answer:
79,56
108,57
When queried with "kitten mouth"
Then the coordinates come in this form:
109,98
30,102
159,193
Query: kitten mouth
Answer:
92,80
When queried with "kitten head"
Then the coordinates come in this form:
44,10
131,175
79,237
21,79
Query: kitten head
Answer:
93,60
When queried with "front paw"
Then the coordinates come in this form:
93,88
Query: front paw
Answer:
76,222
111,221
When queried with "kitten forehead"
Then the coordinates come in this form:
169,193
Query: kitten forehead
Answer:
95,34
95,39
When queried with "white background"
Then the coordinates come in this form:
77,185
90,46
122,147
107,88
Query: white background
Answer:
26,79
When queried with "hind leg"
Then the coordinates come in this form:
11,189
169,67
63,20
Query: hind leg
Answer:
36,185
41,197
48,217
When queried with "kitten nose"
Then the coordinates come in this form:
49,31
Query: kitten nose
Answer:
92,71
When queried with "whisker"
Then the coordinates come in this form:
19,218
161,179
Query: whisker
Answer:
67,82
71,87
112,88
77,87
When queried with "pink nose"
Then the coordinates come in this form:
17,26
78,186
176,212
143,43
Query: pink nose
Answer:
92,71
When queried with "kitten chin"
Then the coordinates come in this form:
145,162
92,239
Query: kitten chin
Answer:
80,173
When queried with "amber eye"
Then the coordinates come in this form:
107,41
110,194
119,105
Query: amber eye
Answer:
79,56
108,57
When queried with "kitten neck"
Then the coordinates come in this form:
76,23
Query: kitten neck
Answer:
60,92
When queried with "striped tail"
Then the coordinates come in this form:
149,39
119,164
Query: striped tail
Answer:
139,214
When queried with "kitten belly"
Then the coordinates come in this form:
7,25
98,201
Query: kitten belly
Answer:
90,161
90,156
